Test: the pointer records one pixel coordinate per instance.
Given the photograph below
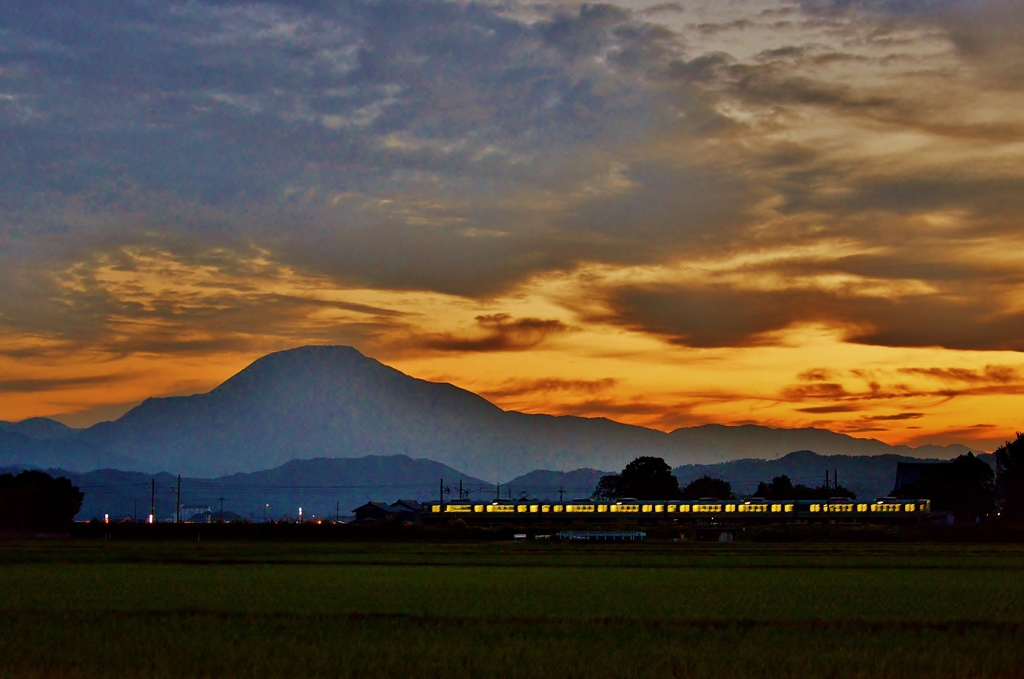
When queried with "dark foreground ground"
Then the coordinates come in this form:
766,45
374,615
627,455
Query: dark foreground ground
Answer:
273,609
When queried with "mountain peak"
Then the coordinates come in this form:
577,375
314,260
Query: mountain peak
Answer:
334,402
39,428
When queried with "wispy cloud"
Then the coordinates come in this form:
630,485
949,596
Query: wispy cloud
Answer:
500,332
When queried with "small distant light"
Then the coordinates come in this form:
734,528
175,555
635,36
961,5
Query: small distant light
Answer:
106,518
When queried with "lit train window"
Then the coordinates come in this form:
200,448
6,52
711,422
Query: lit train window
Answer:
777,508
579,508
909,507
435,508
557,508
522,508
501,509
670,508
456,509
647,508
478,508
602,508
626,508
730,508
815,508
862,508
545,508
534,508
707,508
789,508
659,508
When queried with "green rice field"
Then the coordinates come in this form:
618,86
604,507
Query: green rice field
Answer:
277,609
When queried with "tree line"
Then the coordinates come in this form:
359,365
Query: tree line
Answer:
650,478
967,485
35,501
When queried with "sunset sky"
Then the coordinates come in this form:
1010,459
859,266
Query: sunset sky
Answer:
752,211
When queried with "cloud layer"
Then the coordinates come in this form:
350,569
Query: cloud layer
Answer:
429,178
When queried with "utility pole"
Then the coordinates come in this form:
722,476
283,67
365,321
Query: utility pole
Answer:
560,492
152,502
177,510
221,508
460,489
440,492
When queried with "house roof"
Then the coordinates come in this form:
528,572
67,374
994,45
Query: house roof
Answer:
382,506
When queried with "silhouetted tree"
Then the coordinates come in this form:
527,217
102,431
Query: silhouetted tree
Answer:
706,486
965,486
34,500
608,488
782,488
645,478
1010,477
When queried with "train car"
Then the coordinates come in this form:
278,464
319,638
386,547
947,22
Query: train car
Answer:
753,510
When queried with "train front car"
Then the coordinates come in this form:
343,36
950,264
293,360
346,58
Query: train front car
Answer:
885,509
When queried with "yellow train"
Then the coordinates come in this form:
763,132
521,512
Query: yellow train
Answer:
753,509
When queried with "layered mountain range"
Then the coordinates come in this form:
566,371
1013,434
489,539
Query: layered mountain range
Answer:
334,402
326,487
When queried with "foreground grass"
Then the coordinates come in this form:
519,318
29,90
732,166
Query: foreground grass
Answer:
508,611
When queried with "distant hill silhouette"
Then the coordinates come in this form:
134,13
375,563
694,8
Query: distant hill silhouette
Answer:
320,486
546,484
17,449
334,402
40,428
323,485
869,477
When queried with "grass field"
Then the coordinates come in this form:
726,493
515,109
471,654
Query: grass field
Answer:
109,609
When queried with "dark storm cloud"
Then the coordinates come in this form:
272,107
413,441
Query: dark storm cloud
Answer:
715,316
375,144
500,332
452,147
208,100
987,32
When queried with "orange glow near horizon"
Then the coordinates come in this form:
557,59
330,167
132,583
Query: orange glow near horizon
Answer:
791,214
807,377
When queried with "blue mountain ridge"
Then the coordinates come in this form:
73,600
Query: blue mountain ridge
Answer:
334,402
326,487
